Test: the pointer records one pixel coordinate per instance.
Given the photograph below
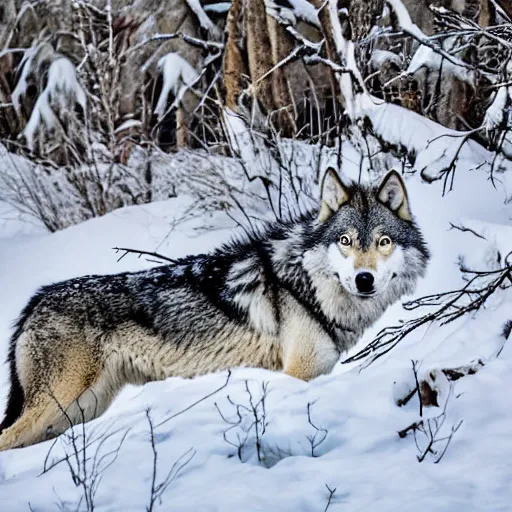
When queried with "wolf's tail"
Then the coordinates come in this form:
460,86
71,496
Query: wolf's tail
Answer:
16,400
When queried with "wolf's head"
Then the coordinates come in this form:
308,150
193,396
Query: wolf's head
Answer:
370,235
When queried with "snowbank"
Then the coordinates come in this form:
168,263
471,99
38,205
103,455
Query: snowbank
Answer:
362,457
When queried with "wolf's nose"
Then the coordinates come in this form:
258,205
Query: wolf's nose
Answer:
364,282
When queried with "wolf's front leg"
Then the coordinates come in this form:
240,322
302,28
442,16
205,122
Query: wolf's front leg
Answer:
308,351
308,364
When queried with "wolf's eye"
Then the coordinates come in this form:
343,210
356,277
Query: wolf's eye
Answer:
384,241
345,240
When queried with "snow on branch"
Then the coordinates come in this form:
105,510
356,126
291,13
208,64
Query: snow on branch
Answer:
407,25
355,94
496,111
305,11
193,41
219,8
426,57
62,91
393,125
178,76
22,85
301,9
405,20
204,19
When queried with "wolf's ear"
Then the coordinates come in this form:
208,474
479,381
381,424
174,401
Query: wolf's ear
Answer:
333,194
392,193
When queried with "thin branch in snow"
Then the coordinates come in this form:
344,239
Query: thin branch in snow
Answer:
220,388
87,454
318,437
428,433
332,492
464,229
418,390
157,490
248,425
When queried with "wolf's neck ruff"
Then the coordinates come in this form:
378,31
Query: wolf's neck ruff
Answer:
291,298
293,257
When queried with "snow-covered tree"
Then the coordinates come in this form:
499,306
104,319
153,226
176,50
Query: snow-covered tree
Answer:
90,88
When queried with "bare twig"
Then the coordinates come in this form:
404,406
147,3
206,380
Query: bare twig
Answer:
220,388
330,497
249,424
157,490
143,253
318,437
430,430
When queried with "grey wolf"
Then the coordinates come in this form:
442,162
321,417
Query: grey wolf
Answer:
292,297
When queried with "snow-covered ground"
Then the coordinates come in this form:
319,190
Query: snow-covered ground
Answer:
362,457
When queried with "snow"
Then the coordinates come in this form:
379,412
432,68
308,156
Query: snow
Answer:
62,86
427,57
126,125
204,20
220,7
362,457
381,57
405,21
434,146
305,11
496,110
178,76
22,85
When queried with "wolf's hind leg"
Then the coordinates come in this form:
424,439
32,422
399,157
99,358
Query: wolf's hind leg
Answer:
50,413
52,385
40,413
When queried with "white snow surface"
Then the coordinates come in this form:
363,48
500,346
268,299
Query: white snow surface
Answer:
362,457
